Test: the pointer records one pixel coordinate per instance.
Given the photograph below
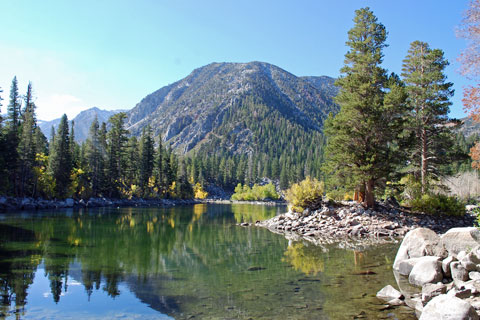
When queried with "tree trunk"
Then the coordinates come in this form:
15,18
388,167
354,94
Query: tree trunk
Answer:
369,200
424,160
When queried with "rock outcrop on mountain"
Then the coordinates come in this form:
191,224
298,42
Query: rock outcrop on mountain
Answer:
218,101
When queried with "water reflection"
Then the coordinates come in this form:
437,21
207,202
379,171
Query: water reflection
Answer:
181,262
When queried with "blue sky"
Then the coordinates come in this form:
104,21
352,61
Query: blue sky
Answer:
110,54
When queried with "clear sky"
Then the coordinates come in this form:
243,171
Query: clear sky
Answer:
110,54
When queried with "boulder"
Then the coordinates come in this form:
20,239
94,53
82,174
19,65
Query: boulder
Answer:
426,270
443,307
458,239
417,243
474,275
389,293
470,260
431,290
459,273
406,266
446,266
69,202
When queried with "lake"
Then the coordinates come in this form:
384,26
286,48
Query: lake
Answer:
188,262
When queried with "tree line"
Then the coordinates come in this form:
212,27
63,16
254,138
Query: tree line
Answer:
109,163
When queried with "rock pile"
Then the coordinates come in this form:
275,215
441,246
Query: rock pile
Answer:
349,220
438,276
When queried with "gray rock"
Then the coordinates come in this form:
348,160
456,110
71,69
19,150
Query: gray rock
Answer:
474,275
458,271
431,290
389,293
406,266
443,307
458,239
69,202
426,270
446,266
417,243
470,261
396,302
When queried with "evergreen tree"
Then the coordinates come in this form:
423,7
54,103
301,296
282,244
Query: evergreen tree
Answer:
146,158
132,162
95,158
27,147
3,151
360,136
12,138
116,138
428,99
60,159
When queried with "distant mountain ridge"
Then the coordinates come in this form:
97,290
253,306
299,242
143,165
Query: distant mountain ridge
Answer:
211,103
82,121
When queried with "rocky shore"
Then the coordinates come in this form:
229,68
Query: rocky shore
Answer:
438,275
352,225
13,204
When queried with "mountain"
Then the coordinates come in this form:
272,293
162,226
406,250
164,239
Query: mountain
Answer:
218,102
83,121
469,127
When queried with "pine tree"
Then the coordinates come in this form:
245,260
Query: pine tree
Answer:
428,99
360,136
95,158
117,139
132,164
146,158
12,138
3,151
60,159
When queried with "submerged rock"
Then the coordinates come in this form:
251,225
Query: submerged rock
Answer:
389,293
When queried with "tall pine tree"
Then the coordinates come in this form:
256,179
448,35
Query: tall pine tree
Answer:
428,99
360,137
60,159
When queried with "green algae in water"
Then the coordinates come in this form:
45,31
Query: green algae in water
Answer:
188,262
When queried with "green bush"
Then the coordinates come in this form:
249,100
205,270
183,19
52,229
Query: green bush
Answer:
304,194
438,204
246,193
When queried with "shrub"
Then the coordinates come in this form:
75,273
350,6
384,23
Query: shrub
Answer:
304,194
256,193
198,191
438,204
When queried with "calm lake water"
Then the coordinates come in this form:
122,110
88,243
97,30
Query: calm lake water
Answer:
187,262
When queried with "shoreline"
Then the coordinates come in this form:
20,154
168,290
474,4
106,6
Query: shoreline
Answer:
350,225
8,204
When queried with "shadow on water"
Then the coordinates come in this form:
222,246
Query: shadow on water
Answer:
184,262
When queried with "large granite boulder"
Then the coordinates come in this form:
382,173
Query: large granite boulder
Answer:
444,307
426,270
417,243
459,239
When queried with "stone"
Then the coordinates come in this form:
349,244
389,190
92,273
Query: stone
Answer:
406,266
458,239
458,271
473,286
431,290
444,307
389,293
69,202
396,302
446,266
417,243
470,260
426,270
474,275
